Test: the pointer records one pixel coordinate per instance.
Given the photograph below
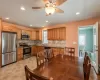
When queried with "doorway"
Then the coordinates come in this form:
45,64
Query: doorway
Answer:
85,40
88,39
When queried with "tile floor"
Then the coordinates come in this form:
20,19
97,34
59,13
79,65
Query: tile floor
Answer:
16,71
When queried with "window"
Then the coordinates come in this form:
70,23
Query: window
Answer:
45,40
82,39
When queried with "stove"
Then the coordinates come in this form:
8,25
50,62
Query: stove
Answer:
26,50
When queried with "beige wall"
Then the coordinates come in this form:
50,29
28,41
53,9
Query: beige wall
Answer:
72,31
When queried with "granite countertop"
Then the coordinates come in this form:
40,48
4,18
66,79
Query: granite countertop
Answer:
50,46
44,46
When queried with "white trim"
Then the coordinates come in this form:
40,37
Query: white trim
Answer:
78,34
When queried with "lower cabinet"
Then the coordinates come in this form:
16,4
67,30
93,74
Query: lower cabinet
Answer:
57,51
36,49
19,54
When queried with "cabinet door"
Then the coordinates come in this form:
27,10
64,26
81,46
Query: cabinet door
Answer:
60,33
19,34
48,35
57,34
51,33
61,51
63,33
34,51
40,34
54,34
19,54
37,35
33,35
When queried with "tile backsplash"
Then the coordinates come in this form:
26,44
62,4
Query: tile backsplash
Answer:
51,43
57,43
30,42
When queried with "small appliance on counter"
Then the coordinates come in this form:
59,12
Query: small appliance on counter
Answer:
26,50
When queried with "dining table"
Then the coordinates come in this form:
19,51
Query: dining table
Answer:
64,67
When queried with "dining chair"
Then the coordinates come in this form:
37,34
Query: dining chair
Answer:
70,51
40,58
30,75
86,67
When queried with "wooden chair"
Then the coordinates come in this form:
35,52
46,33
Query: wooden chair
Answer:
40,58
70,51
86,67
86,54
32,76
49,53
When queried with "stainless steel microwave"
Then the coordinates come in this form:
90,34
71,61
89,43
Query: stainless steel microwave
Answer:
25,37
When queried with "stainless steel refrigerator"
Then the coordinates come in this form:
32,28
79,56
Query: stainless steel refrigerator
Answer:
8,48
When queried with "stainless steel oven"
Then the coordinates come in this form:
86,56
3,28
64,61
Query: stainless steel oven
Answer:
26,50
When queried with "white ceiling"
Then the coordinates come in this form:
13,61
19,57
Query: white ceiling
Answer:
11,8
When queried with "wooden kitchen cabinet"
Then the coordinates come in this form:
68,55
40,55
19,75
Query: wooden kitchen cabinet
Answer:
19,54
37,35
62,34
33,35
36,49
19,34
57,51
12,28
40,48
40,34
9,27
28,32
61,51
57,34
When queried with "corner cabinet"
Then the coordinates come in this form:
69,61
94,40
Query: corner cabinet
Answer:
57,34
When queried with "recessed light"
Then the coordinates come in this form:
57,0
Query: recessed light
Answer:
22,8
77,13
47,21
7,18
30,24
42,26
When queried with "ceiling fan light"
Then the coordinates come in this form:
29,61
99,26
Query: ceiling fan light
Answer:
49,10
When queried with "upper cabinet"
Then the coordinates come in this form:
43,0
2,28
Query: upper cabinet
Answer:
37,35
28,32
11,28
34,34
57,34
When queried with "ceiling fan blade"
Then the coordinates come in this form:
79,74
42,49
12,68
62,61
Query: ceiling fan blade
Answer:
59,2
37,7
57,10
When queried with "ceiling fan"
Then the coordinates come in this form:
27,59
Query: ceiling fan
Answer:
51,6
